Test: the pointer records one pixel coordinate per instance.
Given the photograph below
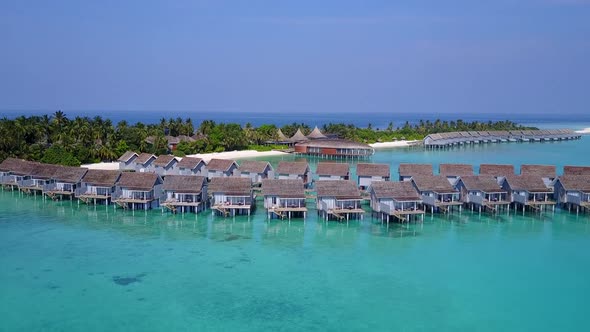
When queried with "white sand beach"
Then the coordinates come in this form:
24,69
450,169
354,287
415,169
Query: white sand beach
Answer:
583,131
394,144
237,154
106,166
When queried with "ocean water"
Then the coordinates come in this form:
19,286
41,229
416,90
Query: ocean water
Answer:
70,267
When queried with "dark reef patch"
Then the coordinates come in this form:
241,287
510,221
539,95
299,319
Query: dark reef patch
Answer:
128,280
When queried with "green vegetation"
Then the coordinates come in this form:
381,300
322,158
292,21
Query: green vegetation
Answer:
57,139
270,147
414,132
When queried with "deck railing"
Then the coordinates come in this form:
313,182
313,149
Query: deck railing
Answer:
8,179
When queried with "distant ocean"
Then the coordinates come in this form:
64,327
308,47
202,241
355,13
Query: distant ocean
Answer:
362,119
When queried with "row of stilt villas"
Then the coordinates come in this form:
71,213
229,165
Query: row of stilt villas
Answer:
418,190
446,140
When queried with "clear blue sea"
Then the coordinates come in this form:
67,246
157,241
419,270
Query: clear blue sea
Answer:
70,267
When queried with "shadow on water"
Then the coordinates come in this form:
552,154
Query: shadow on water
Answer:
128,280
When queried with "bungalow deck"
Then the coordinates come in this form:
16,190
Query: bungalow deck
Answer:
401,215
174,205
88,198
286,212
230,209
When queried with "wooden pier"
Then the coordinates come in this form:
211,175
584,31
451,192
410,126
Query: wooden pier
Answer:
455,139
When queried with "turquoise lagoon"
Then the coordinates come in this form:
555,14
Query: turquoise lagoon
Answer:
70,267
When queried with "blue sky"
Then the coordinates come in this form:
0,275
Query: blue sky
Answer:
278,56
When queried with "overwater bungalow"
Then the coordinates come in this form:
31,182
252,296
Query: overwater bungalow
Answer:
445,140
255,170
499,172
529,191
231,196
221,168
191,166
332,171
339,199
98,186
573,191
39,176
185,193
547,172
166,165
576,170
334,148
454,171
127,161
294,170
398,199
144,162
437,192
284,198
369,173
316,134
406,171
66,179
13,171
483,192
138,191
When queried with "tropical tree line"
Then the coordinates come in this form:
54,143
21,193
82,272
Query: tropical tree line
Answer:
58,139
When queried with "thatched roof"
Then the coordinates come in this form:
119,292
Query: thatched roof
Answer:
455,169
164,160
530,183
328,168
69,174
316,134
435,183
292,167
335,143
485,183
139,181
286,188
341,189
13,164
101,177
230,186
254,166
298,136
576,170
44,171
281,136
399,191
9,164
184,183
549,171
415,169
144,158
19,167
363,169
496,170
575,182
189,162
126,156
222,165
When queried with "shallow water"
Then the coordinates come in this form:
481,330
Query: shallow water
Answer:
73,267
